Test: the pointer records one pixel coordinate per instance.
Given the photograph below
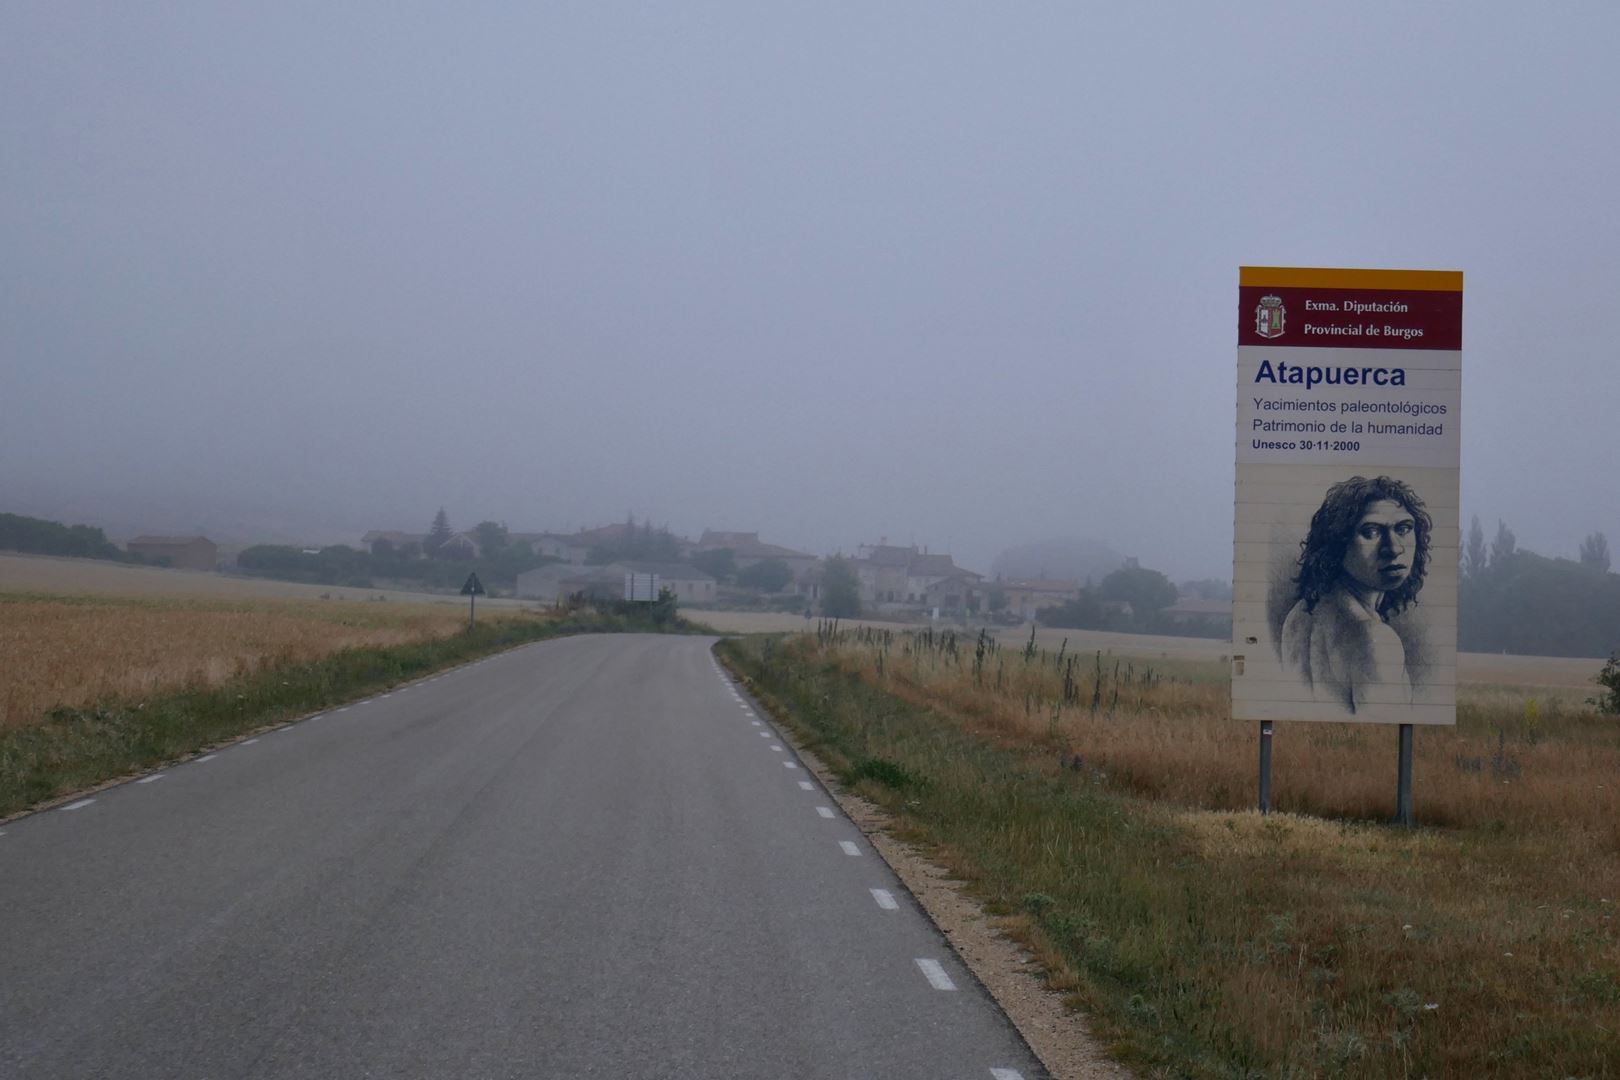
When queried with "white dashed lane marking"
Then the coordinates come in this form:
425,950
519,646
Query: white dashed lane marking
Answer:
777,747
849,847
936,975
250,742
824,811
1006,1074
205,757
789,765
149,779
80,805
885,899
807,785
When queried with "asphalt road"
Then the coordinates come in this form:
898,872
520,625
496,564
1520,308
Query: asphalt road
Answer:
585,858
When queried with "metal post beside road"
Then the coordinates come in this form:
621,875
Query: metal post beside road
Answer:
1403,780
1265,766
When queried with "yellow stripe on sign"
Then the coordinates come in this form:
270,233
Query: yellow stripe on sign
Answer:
1305,277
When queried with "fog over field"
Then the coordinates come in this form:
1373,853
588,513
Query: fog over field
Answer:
957,275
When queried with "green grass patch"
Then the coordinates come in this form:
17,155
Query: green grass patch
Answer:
1220,944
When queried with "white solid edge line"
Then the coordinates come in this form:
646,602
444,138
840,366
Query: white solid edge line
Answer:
1006,1074
807,785
824,811
849,847
149,779
935,975
80,805
205,757
885,899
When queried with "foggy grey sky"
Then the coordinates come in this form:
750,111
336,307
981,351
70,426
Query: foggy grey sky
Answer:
958,274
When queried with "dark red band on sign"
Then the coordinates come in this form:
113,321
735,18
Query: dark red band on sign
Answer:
1349,318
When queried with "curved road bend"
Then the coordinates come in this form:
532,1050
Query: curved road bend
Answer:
584,858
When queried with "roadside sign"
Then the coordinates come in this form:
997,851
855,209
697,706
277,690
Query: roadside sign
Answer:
1344,566
472,590
640,587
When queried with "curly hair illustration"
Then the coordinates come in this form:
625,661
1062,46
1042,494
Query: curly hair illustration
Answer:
1321,560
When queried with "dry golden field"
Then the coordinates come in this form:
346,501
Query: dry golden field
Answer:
1485,669
61,650
1535,755
1484,943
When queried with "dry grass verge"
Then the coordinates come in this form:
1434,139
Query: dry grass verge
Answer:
1206,940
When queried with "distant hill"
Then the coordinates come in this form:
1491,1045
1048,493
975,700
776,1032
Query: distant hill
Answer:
1072,558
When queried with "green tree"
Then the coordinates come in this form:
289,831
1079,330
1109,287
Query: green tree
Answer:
1536,606
1475,558
1505,544
41,537
642,543
1595,552
1147,591
1084,612
1609,679
767,575
492,538
840,589
718,563
438,533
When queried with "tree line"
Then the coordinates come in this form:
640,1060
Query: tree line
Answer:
433,563
37,536
1513,600
1133,600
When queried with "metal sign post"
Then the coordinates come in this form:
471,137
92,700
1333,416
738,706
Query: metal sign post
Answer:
1265,766
472,590
1403,779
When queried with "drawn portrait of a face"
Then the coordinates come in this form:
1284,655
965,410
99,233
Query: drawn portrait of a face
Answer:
1337,616
1379,545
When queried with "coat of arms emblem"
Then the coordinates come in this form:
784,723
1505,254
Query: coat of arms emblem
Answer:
1269,317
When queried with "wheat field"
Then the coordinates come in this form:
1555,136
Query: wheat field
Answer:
75,650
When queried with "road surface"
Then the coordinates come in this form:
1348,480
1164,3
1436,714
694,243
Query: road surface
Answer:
584,858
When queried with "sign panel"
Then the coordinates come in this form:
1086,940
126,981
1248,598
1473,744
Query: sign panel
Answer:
1344,573
640,587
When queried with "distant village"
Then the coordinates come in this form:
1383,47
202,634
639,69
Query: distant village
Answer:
721,569
725,565
730,569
